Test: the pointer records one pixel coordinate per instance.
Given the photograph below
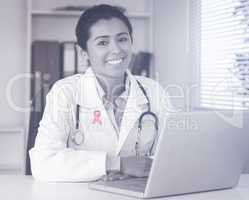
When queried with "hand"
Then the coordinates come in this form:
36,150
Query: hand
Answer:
114,175
137,167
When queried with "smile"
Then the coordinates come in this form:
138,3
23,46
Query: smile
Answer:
115,62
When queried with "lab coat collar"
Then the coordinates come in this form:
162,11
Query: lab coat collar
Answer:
88,98
87,93
87,90
135,106
123,95
135,91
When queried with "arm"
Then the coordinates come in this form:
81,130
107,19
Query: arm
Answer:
51,160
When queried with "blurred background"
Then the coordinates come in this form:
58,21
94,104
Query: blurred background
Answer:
197,49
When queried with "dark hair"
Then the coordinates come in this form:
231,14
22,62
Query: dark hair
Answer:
94,14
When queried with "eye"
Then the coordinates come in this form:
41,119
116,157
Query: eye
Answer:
102,43
123,39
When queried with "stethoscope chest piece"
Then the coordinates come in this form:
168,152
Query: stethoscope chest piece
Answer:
78,137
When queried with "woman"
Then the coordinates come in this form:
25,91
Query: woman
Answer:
89,127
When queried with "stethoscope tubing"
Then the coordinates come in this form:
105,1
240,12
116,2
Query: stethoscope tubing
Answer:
77,116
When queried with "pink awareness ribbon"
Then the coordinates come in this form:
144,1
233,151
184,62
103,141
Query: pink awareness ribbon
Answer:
96,117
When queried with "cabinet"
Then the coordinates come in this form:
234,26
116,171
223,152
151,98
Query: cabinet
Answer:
12,151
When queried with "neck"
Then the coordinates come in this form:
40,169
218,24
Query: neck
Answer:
113,86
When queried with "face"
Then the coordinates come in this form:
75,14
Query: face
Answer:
109,48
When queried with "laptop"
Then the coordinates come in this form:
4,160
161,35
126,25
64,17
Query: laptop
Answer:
198,151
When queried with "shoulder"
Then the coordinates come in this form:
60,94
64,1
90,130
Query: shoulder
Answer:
67,81
65,88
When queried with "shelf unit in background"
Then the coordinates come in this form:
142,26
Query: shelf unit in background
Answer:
45,23
40,13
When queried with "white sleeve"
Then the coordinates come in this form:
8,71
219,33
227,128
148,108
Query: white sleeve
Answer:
50,158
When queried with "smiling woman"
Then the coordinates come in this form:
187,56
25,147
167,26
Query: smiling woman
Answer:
91,123
109,50
105,37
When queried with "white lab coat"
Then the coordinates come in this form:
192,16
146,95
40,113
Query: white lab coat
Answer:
54,158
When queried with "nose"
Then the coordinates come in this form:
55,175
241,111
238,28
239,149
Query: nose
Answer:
115,47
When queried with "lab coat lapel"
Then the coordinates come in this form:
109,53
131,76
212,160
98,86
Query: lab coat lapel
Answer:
87,94
90,101
135,105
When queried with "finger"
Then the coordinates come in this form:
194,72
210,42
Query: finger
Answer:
125,177
104,178
113,176
113,172
109,176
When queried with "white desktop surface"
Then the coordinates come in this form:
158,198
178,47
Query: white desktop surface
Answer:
14,187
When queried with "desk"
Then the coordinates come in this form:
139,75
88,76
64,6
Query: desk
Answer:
14,187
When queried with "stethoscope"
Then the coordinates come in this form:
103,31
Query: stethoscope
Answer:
78,136
140,122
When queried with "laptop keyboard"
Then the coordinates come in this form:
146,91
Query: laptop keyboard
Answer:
133,184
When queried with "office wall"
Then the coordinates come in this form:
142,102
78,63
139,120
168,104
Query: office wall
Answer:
13,53
171,48
12,58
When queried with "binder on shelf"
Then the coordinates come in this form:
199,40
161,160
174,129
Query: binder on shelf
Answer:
45,61
38,64
72,61
69,58
141,63
54,62
81,62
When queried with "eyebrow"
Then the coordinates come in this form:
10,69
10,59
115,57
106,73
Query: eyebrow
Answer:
107,36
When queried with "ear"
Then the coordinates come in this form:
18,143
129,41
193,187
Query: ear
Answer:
83,59
82,53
